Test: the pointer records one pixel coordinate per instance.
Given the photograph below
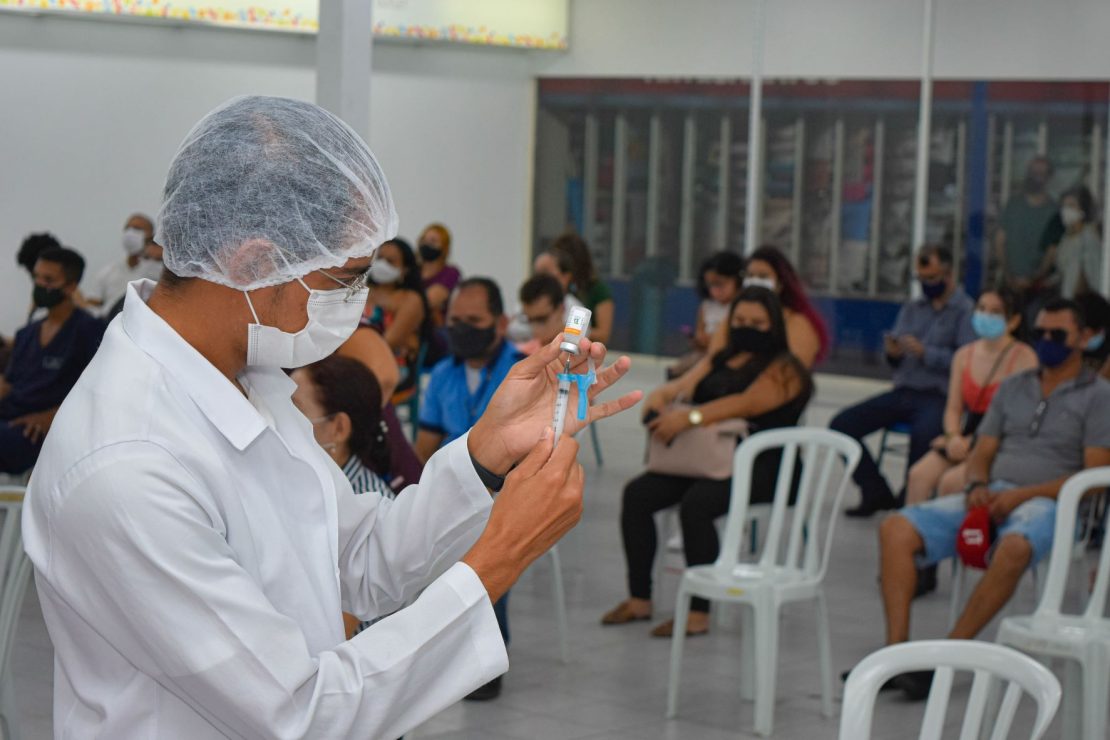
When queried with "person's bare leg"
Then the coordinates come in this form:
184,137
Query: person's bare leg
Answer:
1007,565
953,481
923,478
898,543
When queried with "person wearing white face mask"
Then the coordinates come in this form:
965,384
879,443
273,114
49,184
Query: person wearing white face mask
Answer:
1078,257
398,310
110,283
195,548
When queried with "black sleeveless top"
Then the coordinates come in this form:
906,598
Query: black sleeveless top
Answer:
723,381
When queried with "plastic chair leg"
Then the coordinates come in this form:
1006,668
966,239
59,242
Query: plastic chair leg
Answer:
824,647
1096,675
1073,699
747,652
766,658
597,445
681,613
9,717
558,595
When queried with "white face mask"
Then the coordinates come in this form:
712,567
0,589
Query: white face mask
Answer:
759,282
333,316
133,241
1071,216
383,273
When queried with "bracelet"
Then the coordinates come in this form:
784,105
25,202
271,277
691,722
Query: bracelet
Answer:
972,485
490,479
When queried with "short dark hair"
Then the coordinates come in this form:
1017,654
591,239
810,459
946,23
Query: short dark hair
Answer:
725,264
73,264
493,293
941,252
33,246
1056,305
1096,310
538,286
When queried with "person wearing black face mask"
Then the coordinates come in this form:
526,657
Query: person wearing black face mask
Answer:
755,378
440,279
47,358
1027,216
462,385
926,335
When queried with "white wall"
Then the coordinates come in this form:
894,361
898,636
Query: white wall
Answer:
975,39
92,112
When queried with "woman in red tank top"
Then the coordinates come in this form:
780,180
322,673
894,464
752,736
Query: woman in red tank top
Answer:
977,371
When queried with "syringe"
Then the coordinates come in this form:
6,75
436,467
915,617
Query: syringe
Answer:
578,322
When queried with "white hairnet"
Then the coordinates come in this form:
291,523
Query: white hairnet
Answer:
264,190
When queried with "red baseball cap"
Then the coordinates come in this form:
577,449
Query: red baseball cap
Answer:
974,539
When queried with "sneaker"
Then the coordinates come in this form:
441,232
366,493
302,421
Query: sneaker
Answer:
486,692
915,684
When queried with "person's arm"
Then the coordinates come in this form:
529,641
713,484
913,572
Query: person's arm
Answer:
36,424
891,348
1004,503
602,322
979,466
954,404
406,320
775,386
149,569
701,337
427,442
803,340
369,348
939,356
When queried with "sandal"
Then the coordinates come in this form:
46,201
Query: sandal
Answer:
623,614
666,629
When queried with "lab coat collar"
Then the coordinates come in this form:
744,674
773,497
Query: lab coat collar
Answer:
219,400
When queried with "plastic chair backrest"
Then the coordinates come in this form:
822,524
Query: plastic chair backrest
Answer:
988,661
15,568
818,451
1067,512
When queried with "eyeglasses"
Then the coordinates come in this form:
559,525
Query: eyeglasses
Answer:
354,286
1060,336
1038,417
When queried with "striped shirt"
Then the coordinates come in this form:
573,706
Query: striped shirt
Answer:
365,480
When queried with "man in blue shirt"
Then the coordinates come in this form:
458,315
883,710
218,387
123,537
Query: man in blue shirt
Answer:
926,335
461,387
48,355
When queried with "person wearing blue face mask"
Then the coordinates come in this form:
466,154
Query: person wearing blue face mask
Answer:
926,335
1096,355
1043,426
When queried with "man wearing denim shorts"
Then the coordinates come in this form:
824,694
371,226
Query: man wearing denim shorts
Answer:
1042,427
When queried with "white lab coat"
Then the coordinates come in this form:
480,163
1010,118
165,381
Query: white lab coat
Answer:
193,551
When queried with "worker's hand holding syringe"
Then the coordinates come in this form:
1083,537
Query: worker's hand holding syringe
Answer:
542,497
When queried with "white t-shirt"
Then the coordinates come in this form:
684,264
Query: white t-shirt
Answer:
110,284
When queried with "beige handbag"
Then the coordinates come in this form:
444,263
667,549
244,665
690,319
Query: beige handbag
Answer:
699,452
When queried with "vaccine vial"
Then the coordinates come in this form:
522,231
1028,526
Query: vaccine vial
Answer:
578,323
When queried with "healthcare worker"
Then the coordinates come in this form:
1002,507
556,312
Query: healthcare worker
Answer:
194,547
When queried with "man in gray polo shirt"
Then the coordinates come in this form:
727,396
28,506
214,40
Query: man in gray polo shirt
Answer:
1042,427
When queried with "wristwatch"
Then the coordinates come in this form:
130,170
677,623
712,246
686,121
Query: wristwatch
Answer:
695,417
490,479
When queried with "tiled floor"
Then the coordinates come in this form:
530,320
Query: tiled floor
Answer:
614,684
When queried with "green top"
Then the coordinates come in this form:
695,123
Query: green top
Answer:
595,295
1024,224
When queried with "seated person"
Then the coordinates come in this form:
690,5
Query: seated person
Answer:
560,266
343,402
755,377
438,278
28,254
926,335
1096,310
1043,426
805,329
977,370
398,310
151,267
48,356
587,286
543,307
719,281
110,283
461,387
369,348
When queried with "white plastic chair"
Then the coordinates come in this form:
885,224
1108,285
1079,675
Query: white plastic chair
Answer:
15,569
989,663
1082,639
791,566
